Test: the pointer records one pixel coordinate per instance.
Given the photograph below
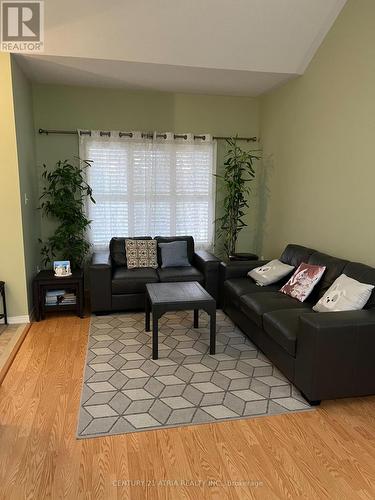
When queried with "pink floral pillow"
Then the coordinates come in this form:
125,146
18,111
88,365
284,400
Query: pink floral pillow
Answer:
302,282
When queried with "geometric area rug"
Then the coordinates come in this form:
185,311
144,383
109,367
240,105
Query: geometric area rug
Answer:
124,390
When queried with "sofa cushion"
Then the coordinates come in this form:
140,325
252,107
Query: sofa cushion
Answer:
334,267
236,287
168,239
141,253
364,274
345,294
132,280
282,326
174,254
117,249
180,274
294,255
303,281
270,273
254,305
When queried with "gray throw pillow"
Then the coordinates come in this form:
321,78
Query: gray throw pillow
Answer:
174,254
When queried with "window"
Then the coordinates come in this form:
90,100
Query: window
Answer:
149,187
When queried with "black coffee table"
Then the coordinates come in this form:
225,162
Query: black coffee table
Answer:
164,297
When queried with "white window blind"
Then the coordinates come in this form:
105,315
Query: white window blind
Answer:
149,187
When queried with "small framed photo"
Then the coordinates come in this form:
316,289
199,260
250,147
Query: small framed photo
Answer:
62,268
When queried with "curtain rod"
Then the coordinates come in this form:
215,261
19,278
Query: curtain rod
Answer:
145,134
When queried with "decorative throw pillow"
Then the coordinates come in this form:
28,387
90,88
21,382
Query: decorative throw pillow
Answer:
270,273
302,282
141,253
174,254
345,294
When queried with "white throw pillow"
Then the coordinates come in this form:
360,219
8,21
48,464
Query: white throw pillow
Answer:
345,294
270,273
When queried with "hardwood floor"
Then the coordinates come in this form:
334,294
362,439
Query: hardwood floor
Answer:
11,338
329,453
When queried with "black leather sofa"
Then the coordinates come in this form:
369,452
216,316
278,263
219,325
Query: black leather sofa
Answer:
325,355
114,287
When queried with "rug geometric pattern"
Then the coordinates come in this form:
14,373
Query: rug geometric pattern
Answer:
125,390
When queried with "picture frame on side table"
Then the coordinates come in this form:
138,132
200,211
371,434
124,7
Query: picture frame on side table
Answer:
62,268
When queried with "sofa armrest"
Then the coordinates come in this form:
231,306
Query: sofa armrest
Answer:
335,353
208,264
100,270
238,269
205,260
101,259
235,269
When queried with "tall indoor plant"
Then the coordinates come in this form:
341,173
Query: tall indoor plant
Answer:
238,173
63,199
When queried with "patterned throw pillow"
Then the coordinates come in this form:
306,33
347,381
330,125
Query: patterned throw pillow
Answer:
141,253
269,273
345,294
302,282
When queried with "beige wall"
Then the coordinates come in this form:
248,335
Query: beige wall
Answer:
318,134
64,107
12,262
29,186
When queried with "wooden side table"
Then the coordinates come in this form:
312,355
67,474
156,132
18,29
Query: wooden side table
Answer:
3,315
46,281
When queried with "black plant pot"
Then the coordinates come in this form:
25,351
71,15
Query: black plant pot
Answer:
242,256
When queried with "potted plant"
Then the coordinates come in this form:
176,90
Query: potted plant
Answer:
238,173
63,198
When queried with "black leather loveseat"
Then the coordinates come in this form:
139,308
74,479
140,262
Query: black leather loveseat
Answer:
326,355
114,287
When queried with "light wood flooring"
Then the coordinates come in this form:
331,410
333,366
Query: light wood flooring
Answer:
11,337
328,453
6,334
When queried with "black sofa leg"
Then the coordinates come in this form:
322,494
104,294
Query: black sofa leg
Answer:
102,313
315,402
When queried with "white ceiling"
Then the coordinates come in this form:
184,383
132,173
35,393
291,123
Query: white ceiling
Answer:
234,47
145,76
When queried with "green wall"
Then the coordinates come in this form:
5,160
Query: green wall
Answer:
318,136
315,186
63,107
29,189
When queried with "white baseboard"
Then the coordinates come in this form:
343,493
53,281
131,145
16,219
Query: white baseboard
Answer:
15,320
